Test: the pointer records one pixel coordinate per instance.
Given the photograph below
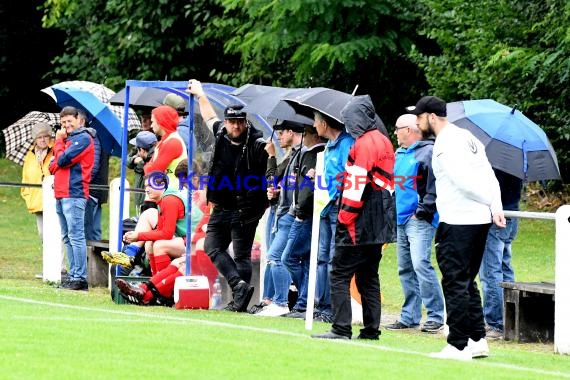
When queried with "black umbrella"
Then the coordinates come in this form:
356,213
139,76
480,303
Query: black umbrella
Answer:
140,97
266,101
325,100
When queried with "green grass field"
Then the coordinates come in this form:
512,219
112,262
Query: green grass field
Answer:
48,333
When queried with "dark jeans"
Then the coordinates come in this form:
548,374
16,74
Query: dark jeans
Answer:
224,228
362,261
459,251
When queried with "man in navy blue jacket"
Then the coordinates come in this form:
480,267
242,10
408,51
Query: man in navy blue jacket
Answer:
417,220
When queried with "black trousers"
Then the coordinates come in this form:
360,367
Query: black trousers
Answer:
459,251
362,261
224,228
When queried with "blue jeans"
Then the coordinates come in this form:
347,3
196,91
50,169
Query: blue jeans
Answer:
417,275
278,273
93,212
327,229
495,268
296,257
71,213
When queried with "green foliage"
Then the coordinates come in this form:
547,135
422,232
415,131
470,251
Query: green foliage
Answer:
111,41
517,53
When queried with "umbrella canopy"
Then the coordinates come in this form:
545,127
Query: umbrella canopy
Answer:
325,100
18,136
513,142
101,92
140,97
266,101
102,118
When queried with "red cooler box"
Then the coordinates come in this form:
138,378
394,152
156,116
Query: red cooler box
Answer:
192,292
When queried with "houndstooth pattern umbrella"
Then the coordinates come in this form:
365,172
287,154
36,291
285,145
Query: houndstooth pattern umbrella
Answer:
18,136
102,93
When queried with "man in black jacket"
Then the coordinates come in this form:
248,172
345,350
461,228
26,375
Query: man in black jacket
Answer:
236,189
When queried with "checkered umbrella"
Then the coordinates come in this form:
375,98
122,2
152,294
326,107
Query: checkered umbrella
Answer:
18,136
102,93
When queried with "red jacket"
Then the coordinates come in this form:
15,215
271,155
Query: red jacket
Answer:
72,165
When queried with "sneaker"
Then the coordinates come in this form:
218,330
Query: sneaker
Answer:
295,313
453,353
493,334
132,294
64,284
119,258
258,307
242,295
273,310
78,285
231,307
398,326
322,317
432,327
479,349
330,335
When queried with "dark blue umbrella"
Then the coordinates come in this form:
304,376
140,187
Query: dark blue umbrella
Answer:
102,118
513,142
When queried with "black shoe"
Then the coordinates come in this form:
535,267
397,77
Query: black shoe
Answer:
257,308
64,284
231,307
242,295
322,317
398,326
432,327
367,337
295,313
78,285
330,335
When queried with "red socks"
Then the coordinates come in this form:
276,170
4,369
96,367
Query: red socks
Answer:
161,262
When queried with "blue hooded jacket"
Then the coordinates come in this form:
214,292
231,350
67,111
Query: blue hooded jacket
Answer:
414,183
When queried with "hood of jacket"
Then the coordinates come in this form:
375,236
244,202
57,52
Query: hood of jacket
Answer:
359,116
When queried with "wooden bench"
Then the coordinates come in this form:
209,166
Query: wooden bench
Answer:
528,311
97,268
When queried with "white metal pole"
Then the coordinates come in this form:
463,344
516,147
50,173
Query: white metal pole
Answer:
562,280
52,245
114,202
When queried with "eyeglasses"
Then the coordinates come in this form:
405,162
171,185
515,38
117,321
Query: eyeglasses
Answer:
398,128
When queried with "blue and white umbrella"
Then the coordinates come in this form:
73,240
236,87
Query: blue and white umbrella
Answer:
101,115
513,142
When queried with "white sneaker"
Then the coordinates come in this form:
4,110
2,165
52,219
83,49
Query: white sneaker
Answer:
478,349
273,310
451,352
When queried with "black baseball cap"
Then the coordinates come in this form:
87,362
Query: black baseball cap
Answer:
292,125
429,104
235,111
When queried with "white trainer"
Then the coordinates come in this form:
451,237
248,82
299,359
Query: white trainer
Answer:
273,310
479,349
451,352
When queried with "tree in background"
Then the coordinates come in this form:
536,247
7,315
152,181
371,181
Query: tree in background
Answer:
111,41
516,52
329,43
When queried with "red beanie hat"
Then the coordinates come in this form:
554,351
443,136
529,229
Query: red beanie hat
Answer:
166,117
